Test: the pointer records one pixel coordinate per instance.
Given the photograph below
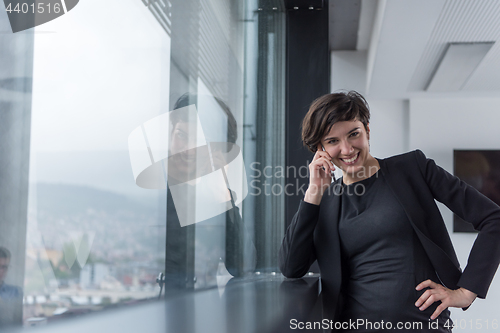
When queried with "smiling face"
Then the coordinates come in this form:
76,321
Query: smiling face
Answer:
185,157
347,143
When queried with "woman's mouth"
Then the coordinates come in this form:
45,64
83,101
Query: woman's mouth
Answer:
187,156
351,160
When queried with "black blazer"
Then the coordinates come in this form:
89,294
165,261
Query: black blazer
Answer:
416,181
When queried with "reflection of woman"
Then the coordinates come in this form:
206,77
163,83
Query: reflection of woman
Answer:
381,244
11,297
193,252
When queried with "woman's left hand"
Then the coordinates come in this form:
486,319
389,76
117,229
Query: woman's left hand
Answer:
459,298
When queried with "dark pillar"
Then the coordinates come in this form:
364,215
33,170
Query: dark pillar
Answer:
308,77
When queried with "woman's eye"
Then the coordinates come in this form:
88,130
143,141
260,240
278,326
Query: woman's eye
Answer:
332,141
354,134
181,135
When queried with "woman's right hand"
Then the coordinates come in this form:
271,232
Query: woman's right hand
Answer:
320,176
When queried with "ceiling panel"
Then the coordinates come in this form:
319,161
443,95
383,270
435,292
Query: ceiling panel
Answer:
463,21
402,30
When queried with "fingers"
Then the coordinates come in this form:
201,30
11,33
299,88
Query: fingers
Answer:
438,311
423,298
320,177
458,298
321,168
323,155
436,293
427,283
327,164
320,153
322,160
429,296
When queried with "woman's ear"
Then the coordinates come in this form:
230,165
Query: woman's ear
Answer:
368,131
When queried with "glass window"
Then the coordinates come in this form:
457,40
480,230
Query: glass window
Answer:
146,139
94,238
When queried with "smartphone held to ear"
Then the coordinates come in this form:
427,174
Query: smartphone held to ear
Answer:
332,173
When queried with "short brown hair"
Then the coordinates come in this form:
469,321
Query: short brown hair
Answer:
188,99
329,109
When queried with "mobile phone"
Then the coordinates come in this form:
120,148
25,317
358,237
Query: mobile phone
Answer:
332,173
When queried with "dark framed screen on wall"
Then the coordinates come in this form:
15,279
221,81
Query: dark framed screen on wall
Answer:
480,169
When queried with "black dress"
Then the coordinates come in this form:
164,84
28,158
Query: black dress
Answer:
385,262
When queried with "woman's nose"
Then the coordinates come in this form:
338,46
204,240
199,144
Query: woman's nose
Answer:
346,148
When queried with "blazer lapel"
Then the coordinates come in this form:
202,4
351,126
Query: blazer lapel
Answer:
404,193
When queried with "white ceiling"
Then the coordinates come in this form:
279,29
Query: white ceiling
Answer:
409,37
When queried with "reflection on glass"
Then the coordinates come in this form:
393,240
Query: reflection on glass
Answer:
206,180
11,296
94,238
203,255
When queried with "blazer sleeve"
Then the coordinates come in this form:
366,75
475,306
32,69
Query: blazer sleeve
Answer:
297,249
473,207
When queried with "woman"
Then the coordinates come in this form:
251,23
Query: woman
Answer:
381,244
191,230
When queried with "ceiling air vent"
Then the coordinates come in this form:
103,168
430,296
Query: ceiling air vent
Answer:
457,65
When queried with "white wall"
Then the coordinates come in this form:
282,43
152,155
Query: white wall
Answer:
348,70
437,126
388,127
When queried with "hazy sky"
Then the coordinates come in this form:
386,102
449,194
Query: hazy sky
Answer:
101,72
